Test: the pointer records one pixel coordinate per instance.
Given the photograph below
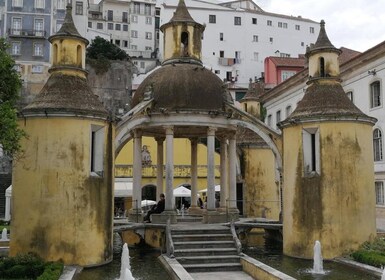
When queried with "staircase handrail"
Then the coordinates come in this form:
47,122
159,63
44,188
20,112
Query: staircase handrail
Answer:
236,240
169,242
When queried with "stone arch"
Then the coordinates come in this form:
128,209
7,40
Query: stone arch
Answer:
149,192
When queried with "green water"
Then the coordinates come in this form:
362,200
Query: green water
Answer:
144,266
270,253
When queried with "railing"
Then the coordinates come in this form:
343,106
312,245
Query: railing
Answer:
26,33
141,54
169,242
235,237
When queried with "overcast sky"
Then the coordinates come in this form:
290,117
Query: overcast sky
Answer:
354,24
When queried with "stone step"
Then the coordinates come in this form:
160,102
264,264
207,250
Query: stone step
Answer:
204,252
199,231
211,267
202,237
203,244
208,259
181,219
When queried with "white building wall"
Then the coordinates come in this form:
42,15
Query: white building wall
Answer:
240,37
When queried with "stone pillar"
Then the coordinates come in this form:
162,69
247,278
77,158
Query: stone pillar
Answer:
194,209
233,210
159,166
135,214
224,175
210,169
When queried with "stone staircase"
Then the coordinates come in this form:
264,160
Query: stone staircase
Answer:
205,249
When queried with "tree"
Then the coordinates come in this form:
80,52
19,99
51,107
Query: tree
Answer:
101,48
10,83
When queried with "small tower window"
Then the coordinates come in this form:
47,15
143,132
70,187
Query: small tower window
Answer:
322,67
79,57
97,144
311,151
377,145
184,43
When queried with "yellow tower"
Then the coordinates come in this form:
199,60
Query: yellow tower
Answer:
250,102
328,192
62,186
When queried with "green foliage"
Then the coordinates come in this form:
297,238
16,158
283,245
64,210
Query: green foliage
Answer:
371,253
101,48
29,266
10,84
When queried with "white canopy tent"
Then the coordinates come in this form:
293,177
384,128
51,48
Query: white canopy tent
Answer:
123,187
182,192
217,189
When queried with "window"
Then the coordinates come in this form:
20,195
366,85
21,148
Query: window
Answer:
284,54
17,3
379,186
269,23
311,29
125,44
142,65
37,69
16,26
39,26
15,48
134,18
58,26
221,53
148,20
288,110
117,42
286,75
269,118
117,26
124,17
125,27
147,48
256,56
134,34
212,18
39,4
147,9
97,139
375,94
377,144
311,151
297,27
220,36
79,8
61,4
302,44
99,25
217,71
148,35
110,26
285,25
38,49
110,15
90,24
278,116
134,47
136,8
271,39
237,20
280,24
349,94
255,38
254,20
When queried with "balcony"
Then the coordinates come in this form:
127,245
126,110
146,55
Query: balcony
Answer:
224,61
30,33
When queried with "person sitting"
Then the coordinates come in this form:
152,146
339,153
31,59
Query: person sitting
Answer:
157,208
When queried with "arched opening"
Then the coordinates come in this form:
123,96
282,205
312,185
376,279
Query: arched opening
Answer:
184,43
79,57
322,66
55,54
149,192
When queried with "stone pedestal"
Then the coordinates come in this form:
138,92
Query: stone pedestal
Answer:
214,217
135,216
233,215
163,217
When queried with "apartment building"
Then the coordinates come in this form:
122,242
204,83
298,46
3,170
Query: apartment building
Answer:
239,35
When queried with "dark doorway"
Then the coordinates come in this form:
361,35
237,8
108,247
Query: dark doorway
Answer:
240,198
149,192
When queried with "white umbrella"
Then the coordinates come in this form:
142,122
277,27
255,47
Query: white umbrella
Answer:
147,202
217,189
182,192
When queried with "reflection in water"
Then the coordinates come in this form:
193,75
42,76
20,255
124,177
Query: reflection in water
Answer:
270,253
144,266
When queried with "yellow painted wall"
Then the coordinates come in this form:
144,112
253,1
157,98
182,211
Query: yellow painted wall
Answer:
262,190
60,211
182,161
338,207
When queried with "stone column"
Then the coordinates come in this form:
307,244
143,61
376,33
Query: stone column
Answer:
135,212
170,201
210,169
233,210
194,209
159,166
224,175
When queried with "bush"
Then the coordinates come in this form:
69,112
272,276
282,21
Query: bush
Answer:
373,258
29,266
